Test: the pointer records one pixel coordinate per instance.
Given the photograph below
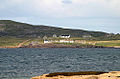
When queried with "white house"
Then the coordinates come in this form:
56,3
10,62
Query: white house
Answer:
54,35
58,41
47,41
64,36
50,41
66,41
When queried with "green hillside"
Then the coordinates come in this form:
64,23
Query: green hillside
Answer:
17,29
16,34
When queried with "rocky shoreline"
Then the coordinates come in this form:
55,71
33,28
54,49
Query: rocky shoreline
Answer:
50,45
61,46
81,75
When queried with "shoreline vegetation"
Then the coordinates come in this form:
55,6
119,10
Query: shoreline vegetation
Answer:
61,46
12,42
81,75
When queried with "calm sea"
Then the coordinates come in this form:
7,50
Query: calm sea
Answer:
23,63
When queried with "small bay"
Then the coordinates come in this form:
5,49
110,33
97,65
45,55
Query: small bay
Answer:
23,63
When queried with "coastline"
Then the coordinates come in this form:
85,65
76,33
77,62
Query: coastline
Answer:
9,47
50,45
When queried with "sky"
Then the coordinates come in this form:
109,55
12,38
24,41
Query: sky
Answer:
95,15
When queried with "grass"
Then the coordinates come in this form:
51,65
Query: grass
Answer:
109,43
11,41
38,40
66,43
75,73
78,41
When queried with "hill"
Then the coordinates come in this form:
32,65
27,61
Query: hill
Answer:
17,29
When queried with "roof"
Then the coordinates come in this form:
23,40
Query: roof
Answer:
64,35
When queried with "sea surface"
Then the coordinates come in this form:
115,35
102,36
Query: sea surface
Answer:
23,63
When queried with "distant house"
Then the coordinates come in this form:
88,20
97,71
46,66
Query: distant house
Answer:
45,37
64,36
58,41
54,35
47,41
51,41
66,41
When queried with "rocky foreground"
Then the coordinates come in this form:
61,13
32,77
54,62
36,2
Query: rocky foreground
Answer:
81,75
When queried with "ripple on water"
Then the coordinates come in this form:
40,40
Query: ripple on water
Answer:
24,63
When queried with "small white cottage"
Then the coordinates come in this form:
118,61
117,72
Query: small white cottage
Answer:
64,36
66,41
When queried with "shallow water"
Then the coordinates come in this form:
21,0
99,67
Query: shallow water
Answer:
23,63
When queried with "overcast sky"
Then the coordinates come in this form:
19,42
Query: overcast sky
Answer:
97,15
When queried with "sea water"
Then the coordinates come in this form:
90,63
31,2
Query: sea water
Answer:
24,63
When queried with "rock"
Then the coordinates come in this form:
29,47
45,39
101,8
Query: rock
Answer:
105,75
92,77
